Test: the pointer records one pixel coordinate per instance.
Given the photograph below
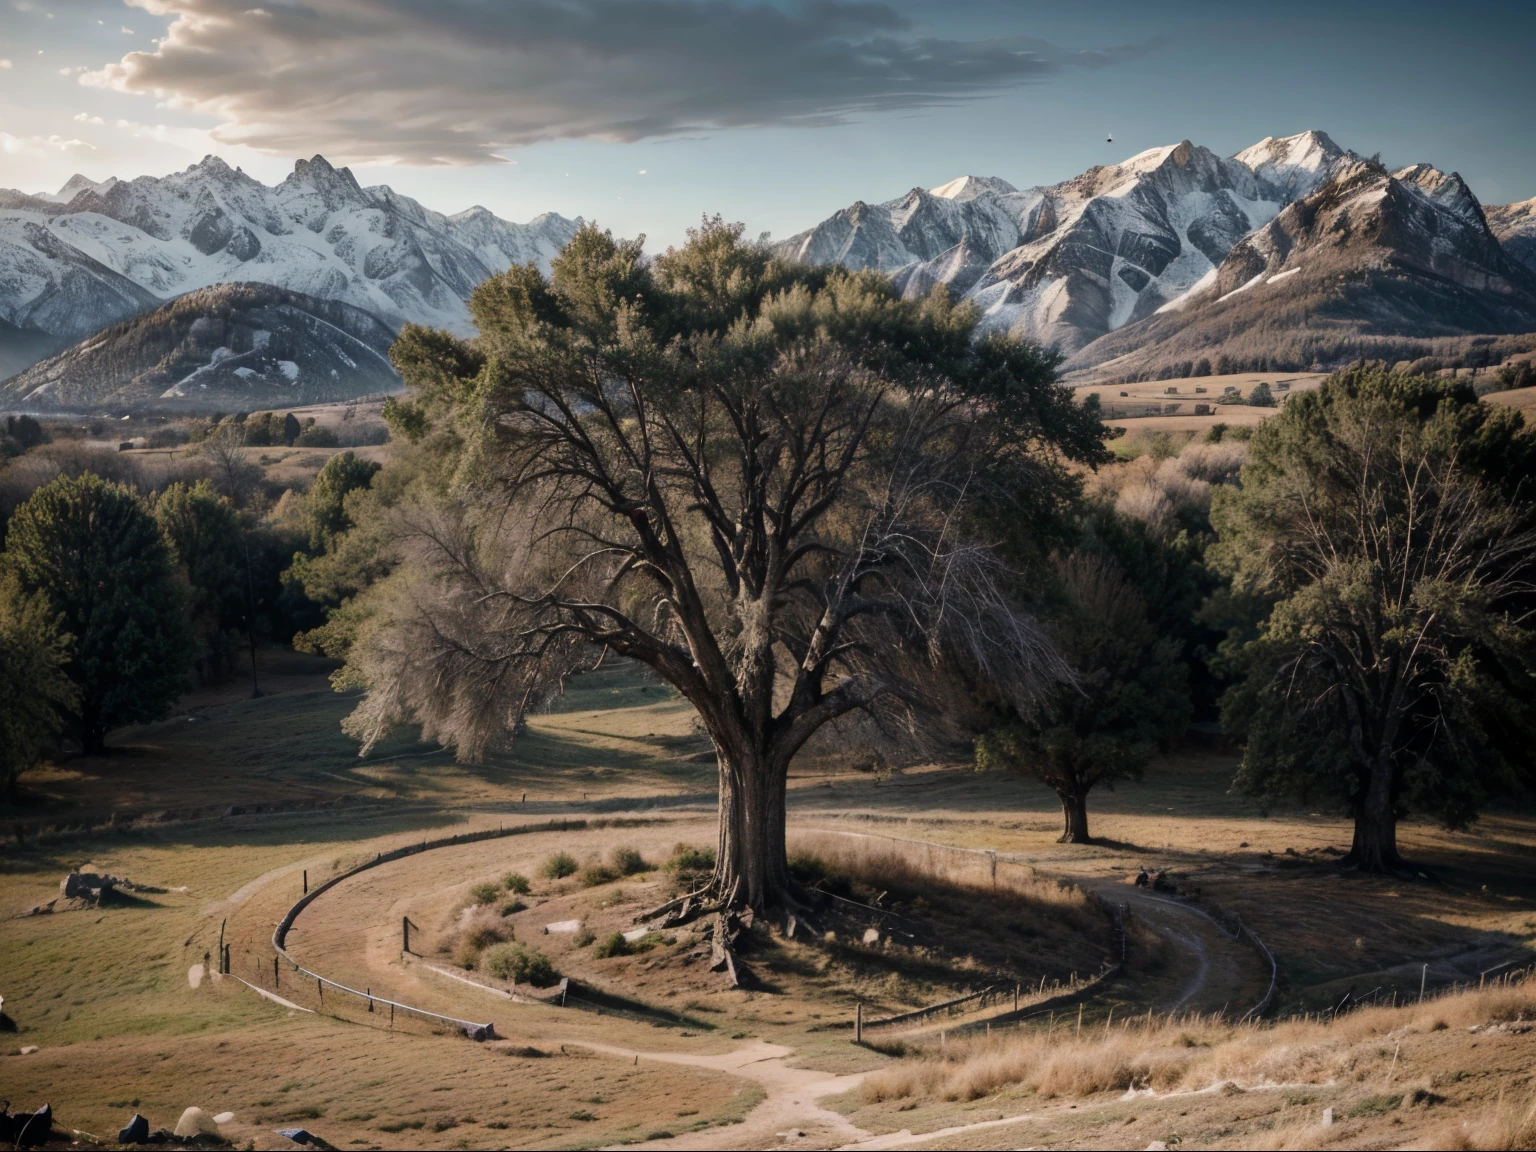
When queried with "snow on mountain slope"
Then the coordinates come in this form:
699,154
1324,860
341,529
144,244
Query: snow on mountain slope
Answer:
1369,260
232,346
76,262
1066,263
1515,226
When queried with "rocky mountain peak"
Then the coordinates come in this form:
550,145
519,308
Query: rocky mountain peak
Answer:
970,187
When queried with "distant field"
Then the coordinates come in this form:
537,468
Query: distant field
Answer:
1177,398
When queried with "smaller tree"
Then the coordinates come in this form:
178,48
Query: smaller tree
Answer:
36,695
1130,693
224,450
325,505
291,429
204,533
1259,396
97,557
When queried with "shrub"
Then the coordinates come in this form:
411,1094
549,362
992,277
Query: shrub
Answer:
512,907
520,964
627,861
687,858
559,865
318,437
486,893
614,945
517,882
594,874
584,937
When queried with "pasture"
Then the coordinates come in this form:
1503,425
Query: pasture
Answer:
232,804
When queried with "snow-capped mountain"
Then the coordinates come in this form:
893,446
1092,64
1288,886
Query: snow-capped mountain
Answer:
1369,263
1515,226
94,253
1067,263
232,346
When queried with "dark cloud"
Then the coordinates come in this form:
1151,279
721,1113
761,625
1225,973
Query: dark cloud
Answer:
459,81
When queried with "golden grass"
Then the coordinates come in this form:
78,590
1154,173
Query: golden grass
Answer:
907,867
1182,1055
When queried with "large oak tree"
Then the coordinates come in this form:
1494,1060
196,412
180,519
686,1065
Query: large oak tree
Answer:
778,487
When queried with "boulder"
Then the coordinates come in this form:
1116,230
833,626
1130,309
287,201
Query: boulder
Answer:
196,1122
135,1132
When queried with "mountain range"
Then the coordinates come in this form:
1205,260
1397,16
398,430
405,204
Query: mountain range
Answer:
75,262
1292,254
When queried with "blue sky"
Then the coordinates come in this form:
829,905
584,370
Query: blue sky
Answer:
644,114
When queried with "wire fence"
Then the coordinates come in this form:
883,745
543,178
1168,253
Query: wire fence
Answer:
365,998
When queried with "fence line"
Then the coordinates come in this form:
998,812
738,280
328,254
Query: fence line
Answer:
472,1029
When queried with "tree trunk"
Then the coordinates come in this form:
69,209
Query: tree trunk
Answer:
1375,845
1074,818
751,865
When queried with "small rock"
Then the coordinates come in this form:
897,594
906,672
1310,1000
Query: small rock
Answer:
28,1050
871,935
223,1117
1328,1117
563,926
1158,1146
136,1131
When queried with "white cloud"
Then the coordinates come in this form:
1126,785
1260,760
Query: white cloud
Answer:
459,81
5,63
34,145
126,31
87,118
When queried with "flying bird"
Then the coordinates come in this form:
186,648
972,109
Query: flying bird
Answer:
1109,139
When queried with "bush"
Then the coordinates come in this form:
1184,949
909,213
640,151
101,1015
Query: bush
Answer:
687,858
516,882
614,945
584,937
486,893
318,437
594,874
559,865
475,937
628,861
512,906
520,964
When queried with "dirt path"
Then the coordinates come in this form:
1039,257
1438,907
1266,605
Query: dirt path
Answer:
1218,971
790,1106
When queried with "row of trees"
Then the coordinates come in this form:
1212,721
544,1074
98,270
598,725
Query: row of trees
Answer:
112,599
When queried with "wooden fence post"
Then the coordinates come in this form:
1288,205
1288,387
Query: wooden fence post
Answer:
274,971
1423,977
405,935
858,1023
306,881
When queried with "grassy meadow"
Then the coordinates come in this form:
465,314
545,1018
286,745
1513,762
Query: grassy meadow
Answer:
229,803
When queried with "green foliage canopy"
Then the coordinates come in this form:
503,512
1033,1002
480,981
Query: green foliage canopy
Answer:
1384,526
36,694
1129,693
96,556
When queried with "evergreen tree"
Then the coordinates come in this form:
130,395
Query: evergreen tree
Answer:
1384,524
97,557
36,695
203,531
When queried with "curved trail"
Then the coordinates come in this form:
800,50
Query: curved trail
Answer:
790,1103
1206,971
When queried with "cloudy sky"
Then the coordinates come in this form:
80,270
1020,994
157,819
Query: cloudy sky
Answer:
644,114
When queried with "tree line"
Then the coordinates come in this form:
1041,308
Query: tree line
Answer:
114,599
824,513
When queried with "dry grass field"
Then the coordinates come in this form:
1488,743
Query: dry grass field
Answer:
228,804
